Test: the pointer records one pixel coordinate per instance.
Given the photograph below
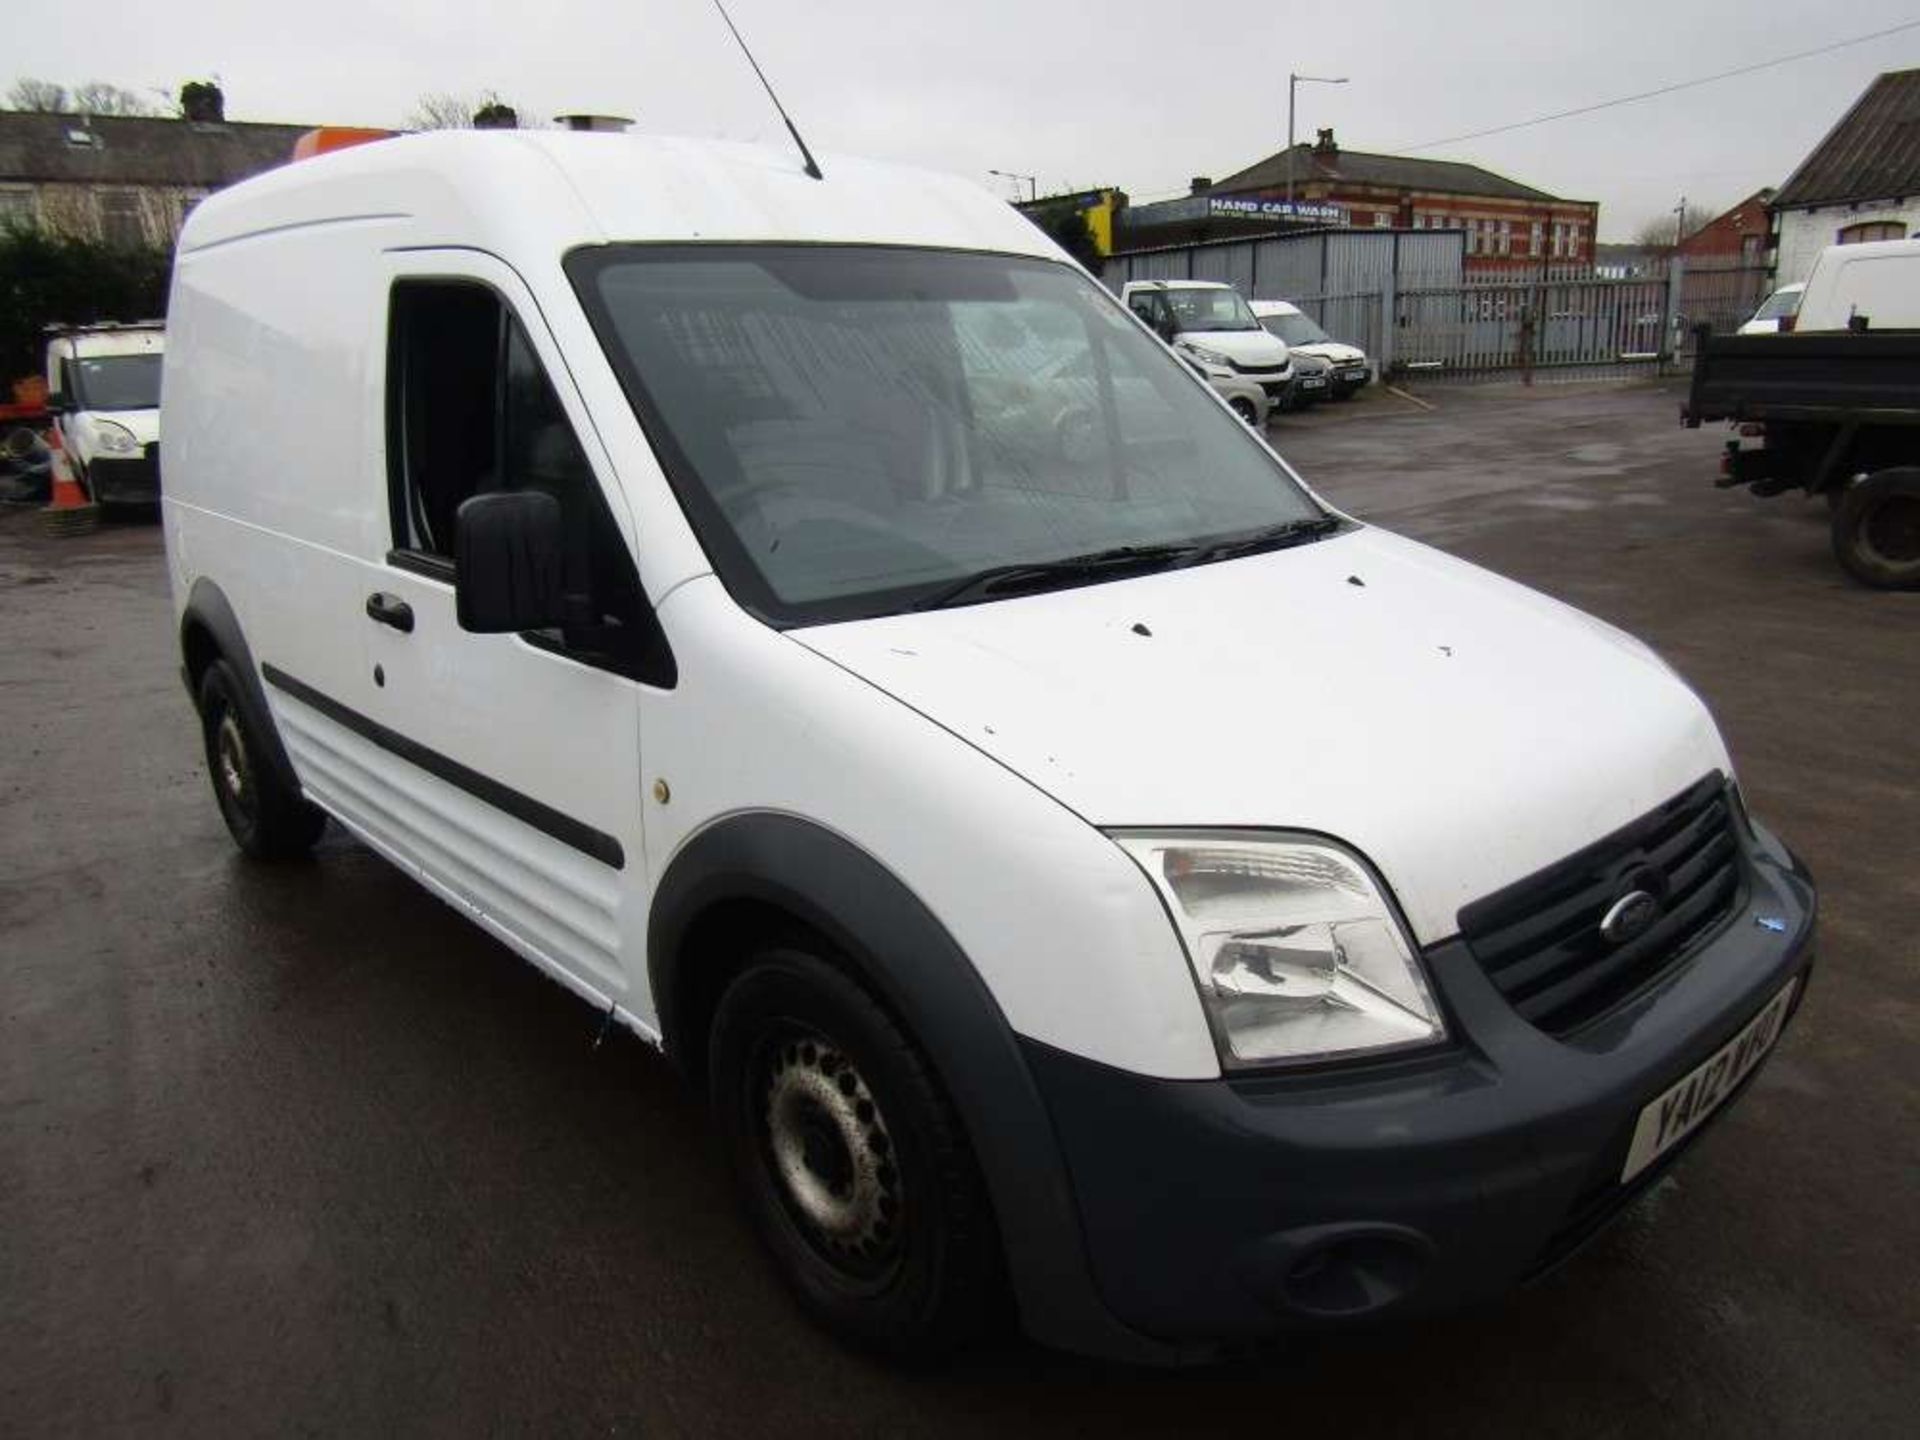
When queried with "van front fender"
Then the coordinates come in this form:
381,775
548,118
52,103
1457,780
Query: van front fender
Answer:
907,957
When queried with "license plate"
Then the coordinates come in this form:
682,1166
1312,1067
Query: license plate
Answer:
1682,1109
1313,384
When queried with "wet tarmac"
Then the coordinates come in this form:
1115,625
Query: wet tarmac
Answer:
298,1151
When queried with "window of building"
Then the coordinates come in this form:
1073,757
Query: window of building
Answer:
1533,238
1867,230
470,410
122,219
17,207
1383,220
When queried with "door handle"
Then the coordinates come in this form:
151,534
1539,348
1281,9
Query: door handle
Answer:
385,609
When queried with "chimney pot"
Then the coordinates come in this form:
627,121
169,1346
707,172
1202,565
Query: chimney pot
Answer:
1200,184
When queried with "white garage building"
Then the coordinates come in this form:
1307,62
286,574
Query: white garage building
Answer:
1860,183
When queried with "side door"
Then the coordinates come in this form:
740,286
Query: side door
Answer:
511,777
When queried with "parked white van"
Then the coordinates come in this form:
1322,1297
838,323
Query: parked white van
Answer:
1096,882
103,382
1210,322
1876,284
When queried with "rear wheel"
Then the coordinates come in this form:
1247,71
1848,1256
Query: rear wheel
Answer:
855,1169
267,819
1876,529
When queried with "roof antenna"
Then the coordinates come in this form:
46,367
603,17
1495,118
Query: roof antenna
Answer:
811,168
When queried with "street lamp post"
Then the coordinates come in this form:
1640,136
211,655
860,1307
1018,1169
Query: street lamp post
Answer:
1293,83
1033,185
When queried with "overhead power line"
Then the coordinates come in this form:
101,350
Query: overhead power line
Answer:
1664,89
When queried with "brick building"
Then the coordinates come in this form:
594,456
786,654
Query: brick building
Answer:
1743,233
123,179
1510,228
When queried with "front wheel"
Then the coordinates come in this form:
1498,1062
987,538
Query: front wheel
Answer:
1876,529
856,1172
1244,408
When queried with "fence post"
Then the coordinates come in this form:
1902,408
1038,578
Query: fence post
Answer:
1388,338
1670,315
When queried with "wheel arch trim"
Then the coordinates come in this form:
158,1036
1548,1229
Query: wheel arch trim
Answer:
899,947
208,611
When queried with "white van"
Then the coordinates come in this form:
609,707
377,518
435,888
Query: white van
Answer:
103,382
1094,881
1876,284
1303,336
1777,313
1210,322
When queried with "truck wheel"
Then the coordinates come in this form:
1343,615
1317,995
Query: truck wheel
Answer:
1876,529
267,820
855,1169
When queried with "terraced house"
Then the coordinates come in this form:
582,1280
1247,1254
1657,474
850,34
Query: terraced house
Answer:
126,180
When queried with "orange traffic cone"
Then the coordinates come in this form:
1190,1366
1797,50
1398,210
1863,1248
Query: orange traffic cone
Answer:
70,512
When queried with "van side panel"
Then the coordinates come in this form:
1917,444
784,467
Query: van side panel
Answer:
272,459
1879,280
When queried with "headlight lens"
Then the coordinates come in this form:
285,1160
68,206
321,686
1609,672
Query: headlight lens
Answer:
115,439
1297,953
1209,357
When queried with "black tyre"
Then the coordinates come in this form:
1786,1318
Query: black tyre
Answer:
854,1166
1244,408
267,819
1876,529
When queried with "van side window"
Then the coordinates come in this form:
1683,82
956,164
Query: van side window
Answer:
470,410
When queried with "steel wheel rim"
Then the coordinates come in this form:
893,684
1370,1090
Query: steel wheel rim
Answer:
230,763
829,1155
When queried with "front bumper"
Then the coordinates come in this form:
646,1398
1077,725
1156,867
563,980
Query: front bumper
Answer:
128,480
1238,1209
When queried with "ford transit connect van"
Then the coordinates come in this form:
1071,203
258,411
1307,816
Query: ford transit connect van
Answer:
1093,879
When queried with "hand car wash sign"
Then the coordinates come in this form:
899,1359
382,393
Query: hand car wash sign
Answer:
1277,210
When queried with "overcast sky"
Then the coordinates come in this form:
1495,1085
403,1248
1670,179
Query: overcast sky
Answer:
1128,92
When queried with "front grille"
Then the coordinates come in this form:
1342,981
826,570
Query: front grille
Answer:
1259,369
1539,939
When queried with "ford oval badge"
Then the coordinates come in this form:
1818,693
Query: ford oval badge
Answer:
1628,917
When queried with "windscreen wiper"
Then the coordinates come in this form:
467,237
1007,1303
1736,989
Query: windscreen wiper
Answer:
1041,574
1267,537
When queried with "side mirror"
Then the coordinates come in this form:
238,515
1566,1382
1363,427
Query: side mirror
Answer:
508,572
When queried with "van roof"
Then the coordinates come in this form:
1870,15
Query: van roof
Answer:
540,193
1870,249
1178,285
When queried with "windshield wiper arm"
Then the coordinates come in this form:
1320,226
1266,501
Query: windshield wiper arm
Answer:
1037,573
1268,537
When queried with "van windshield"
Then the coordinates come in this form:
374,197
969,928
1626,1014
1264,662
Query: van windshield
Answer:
1211,309
858,431
1295,329
1779,305
115,382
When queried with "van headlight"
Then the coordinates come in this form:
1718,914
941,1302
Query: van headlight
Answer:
1296,951
1209,357
114,439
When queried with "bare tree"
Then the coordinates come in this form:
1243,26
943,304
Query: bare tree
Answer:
443,110
40,95
1662,234
98,97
